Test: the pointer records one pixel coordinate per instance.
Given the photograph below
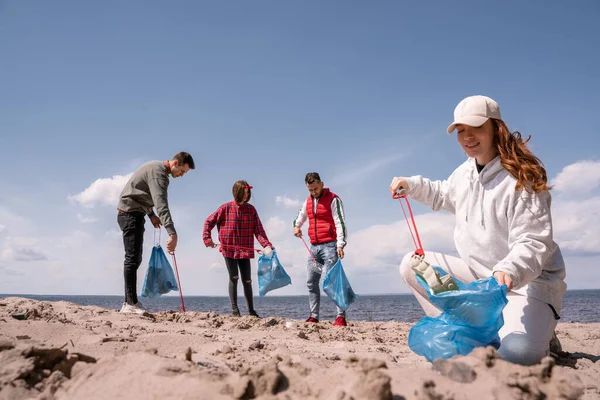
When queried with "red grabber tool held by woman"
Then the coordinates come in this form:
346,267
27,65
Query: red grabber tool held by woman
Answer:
401,194
421,267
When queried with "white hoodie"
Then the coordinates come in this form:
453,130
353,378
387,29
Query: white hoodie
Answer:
499,228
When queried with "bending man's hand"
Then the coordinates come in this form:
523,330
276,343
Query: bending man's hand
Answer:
155,221
172,242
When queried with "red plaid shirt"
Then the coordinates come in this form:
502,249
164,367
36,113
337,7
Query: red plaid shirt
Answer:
237,226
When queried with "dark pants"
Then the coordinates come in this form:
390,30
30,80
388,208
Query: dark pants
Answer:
132,225
243,265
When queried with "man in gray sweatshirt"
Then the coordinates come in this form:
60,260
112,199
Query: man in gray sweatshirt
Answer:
146,190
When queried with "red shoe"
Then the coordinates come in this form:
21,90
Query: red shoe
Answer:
340,321
313,320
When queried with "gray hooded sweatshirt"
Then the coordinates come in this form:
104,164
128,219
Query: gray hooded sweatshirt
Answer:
147,188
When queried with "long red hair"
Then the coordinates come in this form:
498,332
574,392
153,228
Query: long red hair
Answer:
518,160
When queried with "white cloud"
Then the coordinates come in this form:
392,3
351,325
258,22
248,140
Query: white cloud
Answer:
26,254
383,246
579,178
276,229
113,234
288,202
26,241
363,171
2,228
13,222
9,272
577,225
22,249
17,242
86,220
104,191
74,240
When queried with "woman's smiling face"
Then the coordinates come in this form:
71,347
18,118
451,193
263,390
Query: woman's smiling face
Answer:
478,142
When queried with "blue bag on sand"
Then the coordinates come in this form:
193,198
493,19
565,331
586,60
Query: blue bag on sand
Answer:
338,288
471,317
160,278
271,274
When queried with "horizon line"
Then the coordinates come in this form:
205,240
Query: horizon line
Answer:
175,294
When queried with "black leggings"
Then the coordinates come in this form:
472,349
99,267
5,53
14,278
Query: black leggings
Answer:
237,267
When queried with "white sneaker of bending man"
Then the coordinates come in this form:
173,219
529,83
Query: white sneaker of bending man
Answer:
137,308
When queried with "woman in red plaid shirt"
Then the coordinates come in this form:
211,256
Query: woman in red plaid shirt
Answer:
237,223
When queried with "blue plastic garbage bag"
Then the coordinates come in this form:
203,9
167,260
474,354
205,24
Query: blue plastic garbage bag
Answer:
338,288
271,274
160,278
471,317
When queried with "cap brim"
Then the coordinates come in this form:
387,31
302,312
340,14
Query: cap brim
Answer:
471,120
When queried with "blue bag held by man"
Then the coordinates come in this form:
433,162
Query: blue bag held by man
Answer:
471,315
271,274
160,278
338,288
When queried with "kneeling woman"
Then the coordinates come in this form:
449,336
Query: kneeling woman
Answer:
237,223
501,201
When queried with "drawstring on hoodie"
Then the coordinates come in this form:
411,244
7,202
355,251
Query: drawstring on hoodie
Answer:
472,193
470,197
482,189
481,209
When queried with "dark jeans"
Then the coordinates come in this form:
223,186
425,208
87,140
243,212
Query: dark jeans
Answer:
132,225
243,265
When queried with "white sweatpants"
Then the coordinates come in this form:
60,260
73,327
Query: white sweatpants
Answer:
528,323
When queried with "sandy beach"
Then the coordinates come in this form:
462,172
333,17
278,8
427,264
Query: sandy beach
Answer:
60,350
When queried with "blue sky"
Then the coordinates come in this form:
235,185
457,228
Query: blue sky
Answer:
267,91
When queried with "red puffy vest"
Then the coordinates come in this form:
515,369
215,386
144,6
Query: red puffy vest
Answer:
321,226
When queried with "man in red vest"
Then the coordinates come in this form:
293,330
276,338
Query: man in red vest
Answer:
327,233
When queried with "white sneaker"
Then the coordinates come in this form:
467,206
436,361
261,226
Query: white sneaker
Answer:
137,308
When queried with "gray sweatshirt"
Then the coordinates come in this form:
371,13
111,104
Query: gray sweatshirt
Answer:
147,188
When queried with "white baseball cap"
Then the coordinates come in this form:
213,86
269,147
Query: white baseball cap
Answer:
474,111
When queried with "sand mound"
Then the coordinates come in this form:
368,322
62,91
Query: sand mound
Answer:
30,370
